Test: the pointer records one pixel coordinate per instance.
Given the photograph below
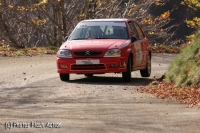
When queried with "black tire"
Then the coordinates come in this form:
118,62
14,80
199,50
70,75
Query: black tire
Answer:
127,75
146,72
64,77
88,75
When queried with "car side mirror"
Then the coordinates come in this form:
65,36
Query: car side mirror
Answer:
66,38
133,39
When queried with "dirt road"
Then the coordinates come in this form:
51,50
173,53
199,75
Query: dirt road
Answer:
33,99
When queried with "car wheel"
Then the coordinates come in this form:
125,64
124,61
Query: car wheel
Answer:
64,77
127,75
146,72
88,75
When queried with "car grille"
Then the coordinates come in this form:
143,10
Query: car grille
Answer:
88,67
91,53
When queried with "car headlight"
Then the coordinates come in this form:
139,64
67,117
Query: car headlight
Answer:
113,53
62,53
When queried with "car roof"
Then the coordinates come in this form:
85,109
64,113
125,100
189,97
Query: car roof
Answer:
108,19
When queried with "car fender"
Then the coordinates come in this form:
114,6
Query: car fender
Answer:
127,54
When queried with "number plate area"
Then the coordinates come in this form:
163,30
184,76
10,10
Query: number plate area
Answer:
87,62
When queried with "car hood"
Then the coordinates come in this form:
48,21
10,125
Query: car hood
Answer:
93,44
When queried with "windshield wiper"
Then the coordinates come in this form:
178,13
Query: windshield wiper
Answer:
100,38
79,39
113,38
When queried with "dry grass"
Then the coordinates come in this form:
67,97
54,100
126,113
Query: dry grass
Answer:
12,52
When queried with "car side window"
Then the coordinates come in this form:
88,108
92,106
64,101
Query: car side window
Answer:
141,36
133,30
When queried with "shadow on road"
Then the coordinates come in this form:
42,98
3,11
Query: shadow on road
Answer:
100,80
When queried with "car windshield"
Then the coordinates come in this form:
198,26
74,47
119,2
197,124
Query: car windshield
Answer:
99,30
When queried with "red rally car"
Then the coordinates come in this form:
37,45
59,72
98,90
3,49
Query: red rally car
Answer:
99,46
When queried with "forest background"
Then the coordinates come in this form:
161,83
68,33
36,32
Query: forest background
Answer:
36,23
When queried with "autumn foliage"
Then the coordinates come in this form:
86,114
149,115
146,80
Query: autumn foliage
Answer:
163,90
35,23
195,22
182,80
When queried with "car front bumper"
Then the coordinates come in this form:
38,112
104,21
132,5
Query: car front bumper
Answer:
104,65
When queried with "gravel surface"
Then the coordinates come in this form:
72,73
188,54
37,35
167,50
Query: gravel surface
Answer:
33,99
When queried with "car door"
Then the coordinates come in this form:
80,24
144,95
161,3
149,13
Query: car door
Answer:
136,46
144,42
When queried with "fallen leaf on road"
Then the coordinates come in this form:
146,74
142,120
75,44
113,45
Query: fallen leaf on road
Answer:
163,90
